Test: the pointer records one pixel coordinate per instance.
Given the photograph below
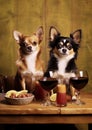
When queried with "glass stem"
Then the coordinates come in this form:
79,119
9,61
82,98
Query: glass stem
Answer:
78,101
47,103
78,95
48,96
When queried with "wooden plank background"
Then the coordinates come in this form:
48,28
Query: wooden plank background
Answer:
27,15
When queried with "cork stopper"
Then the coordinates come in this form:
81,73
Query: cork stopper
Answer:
61,88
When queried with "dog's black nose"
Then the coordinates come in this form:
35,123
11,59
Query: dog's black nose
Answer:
64,50
29,48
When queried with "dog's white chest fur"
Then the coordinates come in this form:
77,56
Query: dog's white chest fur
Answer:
31,65
31,62
62,64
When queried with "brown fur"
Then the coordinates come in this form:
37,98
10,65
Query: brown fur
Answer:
29,64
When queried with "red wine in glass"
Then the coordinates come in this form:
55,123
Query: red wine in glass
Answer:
79,82
48,84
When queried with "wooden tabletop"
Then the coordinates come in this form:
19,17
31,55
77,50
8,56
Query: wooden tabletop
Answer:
39,108
36,113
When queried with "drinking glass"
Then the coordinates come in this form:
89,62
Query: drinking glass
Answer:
48,84
79,81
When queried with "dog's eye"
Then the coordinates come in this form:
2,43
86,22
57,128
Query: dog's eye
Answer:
34,43
60,45
69,46
23,44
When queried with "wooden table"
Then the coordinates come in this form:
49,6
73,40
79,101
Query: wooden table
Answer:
36,113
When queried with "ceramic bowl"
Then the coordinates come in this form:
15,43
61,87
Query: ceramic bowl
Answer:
19,101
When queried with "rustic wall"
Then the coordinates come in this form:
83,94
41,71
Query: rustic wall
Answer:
27,15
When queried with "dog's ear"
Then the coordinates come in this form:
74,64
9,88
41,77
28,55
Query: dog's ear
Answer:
17,36
53,32
39,33
77,36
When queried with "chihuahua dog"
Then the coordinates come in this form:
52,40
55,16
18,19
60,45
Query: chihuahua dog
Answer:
29,63
64,51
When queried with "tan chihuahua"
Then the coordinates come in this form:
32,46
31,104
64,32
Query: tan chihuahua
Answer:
29,63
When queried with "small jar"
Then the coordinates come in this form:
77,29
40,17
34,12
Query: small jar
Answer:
61,98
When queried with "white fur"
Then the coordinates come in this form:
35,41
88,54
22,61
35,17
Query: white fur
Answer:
31,65
31,62
62,64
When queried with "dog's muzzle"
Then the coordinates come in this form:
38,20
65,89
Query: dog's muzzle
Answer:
64,51
26,49
29,48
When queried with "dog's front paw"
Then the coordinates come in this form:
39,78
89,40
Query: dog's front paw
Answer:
38,74
74,98
69,75
24,73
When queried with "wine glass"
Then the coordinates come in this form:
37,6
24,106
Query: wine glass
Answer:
79,81
48,84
